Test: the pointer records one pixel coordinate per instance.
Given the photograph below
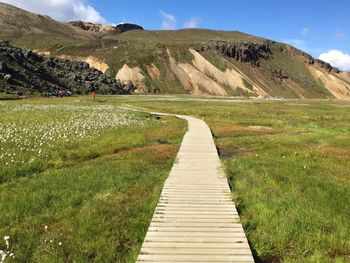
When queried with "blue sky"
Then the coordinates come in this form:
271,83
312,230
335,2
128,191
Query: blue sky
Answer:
313,26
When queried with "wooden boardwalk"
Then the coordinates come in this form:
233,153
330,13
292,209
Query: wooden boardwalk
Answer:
195,219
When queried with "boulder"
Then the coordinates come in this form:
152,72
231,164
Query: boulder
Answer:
7,78
124,27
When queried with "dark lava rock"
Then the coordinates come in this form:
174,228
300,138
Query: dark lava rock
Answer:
313,61
25,72
246,52
3,66
121,28
80,24
325,65
279,74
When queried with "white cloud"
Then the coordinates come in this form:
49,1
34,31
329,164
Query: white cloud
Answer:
337,59
305,31
168,21
192,23
62,10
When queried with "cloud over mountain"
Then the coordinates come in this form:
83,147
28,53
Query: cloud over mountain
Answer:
337,59
63,10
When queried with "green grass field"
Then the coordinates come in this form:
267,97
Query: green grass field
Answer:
290,176
78,182
287,162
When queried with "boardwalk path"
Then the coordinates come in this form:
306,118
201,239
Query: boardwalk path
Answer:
195,219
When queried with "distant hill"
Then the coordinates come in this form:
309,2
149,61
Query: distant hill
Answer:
189,61
16,23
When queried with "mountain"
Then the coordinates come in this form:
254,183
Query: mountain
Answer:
190,61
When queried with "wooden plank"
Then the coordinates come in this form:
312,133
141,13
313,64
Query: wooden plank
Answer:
184,224
208,206
196,220
196,229
206,235
197,239
195,214
196,258
174,217
196,251
202,245
194,209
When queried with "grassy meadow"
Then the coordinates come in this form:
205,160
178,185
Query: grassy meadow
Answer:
79,180
288,163
4,96
89,194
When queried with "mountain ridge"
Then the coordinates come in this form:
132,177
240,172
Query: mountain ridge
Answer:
187,61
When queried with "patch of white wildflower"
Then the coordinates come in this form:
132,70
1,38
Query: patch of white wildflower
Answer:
27,131
7,253
50,241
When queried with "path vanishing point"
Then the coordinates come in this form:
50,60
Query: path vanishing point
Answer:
195,219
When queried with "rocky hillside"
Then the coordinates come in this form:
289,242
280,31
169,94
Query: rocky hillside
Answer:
25,72
191,61
105,29
91,27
